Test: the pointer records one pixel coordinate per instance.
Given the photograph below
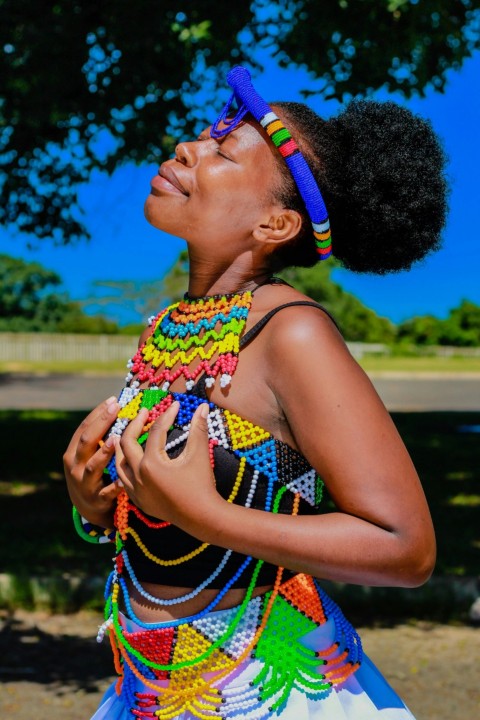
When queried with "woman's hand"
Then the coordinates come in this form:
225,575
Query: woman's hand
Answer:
180,490
84,463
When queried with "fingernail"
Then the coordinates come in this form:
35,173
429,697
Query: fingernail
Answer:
111,400
119,482
204,411
109,442
112,408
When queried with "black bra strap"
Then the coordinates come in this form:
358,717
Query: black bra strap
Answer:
253,332
200,388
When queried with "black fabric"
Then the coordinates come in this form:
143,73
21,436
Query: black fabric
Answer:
171,543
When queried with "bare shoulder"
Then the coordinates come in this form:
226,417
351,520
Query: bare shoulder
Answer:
304,347
302,325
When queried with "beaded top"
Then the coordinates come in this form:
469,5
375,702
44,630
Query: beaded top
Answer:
252,468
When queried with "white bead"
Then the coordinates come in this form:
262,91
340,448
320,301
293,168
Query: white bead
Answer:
225,380
103,628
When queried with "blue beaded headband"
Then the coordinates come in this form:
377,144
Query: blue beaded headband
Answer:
248,100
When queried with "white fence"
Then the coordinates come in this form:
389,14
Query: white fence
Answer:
46,347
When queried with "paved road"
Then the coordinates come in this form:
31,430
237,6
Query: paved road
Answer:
74,392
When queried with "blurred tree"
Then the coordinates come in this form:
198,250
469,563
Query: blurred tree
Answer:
76,77
29,302
423,330
144,298
460,328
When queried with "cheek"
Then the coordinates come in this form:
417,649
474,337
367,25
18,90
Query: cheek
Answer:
236,198
232,210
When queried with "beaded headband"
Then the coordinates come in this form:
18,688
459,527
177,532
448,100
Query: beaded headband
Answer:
248,100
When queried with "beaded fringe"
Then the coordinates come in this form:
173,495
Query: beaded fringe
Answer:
185,667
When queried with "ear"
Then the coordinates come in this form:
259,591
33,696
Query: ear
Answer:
281,226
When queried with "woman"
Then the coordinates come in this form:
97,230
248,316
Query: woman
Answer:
252,403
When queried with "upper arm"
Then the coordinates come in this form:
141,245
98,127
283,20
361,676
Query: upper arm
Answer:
341,425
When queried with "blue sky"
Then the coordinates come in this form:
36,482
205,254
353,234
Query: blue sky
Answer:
124,247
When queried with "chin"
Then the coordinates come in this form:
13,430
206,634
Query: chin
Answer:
158,218
150,212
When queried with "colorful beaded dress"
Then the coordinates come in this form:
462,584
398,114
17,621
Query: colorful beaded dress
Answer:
289,652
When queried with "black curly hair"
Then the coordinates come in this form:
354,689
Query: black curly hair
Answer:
381,171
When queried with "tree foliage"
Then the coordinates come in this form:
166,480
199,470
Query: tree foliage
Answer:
460,328
143,298
74,74
30,302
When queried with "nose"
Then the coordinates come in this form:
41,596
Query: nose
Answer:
185,153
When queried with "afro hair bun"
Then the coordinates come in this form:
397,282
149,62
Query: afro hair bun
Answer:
381,170
390,202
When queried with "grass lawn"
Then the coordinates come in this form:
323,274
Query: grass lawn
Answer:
399,363
37,536
370,363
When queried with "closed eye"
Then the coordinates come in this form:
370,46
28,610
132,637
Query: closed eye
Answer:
219,152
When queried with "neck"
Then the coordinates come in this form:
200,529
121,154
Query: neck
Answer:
210,277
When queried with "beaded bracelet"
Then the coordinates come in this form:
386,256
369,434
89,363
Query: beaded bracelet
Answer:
95,534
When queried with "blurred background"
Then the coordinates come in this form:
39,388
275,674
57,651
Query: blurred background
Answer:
93,96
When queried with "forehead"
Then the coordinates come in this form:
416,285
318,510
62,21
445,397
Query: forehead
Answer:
247,138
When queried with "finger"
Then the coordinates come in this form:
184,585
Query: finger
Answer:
93,471
124,473
157,435
92,432
129,440
197,442
86,422
110,492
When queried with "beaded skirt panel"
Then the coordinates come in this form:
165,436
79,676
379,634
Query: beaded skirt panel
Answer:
187,666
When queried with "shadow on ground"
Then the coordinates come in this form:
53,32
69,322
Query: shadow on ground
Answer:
58,656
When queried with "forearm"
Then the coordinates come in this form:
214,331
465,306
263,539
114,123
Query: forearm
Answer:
334,546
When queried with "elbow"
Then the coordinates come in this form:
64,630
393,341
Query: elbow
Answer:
418,564
419,572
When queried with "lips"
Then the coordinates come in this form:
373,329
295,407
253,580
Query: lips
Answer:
167,180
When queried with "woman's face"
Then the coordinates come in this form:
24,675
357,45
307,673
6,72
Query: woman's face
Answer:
214,192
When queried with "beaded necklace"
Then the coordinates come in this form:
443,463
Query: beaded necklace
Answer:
187,331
